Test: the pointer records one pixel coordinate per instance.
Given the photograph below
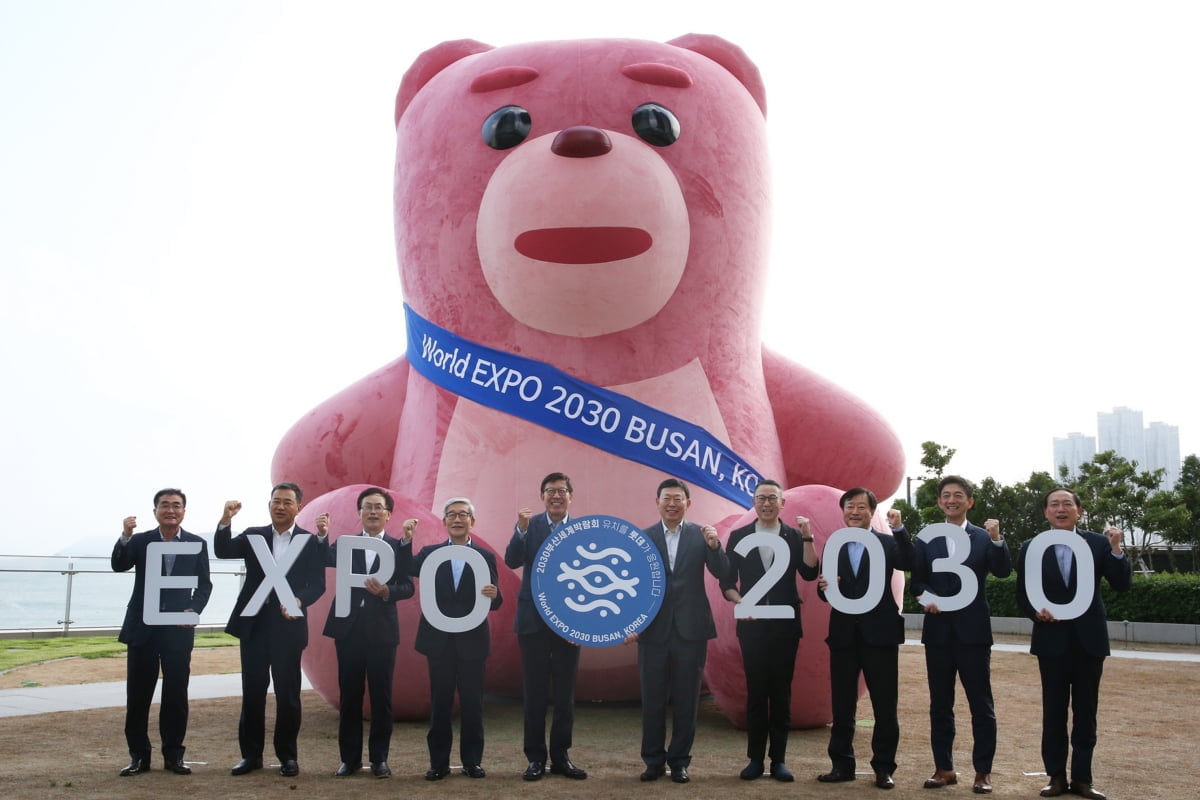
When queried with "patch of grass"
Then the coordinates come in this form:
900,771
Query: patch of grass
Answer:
22,652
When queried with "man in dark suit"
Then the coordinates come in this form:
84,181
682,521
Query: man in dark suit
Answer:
866,644
959,642
273,638
673,648
456,660
769,645
366,639
152,647
549,663
1071,652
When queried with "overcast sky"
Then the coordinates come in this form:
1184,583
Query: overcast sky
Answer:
990,210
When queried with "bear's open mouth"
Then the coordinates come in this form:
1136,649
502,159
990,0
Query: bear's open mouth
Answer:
583,245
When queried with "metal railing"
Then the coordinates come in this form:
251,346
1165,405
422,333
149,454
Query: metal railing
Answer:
11,565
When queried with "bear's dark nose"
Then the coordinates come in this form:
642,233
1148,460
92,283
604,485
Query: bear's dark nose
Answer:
581,141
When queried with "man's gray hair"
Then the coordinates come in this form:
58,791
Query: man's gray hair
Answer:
465,501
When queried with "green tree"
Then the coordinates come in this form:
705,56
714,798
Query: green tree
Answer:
1114,492
923,509
1017,507
935,458
1187,492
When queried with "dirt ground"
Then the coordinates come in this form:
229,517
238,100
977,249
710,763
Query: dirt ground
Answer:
1145,706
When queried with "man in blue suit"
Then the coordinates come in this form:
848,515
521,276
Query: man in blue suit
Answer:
549,663
366,639
673,648
959,642
272,640
866,644
152,647
1071,652
456,660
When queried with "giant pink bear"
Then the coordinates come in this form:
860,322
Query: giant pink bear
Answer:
629,255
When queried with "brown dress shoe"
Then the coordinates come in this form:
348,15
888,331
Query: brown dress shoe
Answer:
1056,786
983,783
1085,790
940,778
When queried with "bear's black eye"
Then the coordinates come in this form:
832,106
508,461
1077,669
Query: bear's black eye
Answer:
655,124
506,127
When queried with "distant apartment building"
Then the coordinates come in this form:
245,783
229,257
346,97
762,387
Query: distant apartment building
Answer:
1121,430
1162,452
1074,450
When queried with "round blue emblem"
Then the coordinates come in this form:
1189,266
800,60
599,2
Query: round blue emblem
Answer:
598,579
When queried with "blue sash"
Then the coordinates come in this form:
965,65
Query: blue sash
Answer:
544,395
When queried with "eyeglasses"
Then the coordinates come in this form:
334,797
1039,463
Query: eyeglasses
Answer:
374,507
173,506
766,498
557,492
458,515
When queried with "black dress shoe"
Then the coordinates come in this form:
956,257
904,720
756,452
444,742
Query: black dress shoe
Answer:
568,769
752,771
289,768
177,766
246,765
1056,786
534,772
473,771
436,773
652,773
136,767
1085,790
345,770
884,781
380,769
836,776
780,772
679,775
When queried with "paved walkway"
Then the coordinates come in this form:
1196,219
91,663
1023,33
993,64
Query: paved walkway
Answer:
45,699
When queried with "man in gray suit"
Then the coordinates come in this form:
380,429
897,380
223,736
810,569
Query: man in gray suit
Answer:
673,648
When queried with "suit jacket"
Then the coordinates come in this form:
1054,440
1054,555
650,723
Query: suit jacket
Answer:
746,571
883,624
522,551
475,643
306,577
973,624
380,623
134,630
685,612
1090,629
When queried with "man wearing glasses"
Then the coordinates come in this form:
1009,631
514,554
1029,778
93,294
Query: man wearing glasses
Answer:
456,659
549,662
673,648
769,645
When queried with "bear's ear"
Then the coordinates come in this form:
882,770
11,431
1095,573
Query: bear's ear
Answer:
732,58
430,63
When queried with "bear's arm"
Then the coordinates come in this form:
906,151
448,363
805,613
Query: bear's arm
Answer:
348,439
827,435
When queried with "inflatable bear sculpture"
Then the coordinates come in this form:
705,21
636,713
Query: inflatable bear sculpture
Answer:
597,210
